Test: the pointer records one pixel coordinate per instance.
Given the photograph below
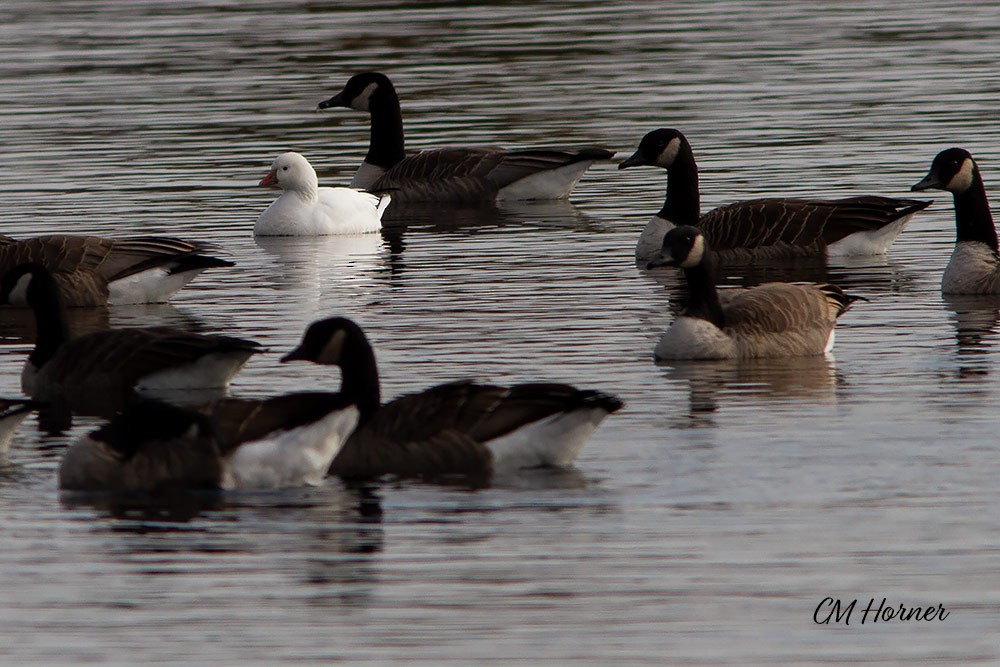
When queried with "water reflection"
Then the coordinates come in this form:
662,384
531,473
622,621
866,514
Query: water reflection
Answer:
976,319
713,384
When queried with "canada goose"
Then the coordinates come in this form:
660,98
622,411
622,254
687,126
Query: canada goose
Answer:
764,228
141,269
770,320
452,174
459,428
118,360
974,267
152,446
12,412
305,209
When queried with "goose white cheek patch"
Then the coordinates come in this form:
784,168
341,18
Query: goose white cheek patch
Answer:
962,180
669,153
362,101
695,254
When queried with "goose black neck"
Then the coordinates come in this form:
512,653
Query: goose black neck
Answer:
360,379
683,203
703,298
50,318
973,220
386,146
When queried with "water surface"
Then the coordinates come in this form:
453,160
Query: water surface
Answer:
703,523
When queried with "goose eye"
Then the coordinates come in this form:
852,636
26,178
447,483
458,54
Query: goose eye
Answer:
285,168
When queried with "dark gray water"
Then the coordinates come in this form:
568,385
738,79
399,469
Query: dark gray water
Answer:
705,522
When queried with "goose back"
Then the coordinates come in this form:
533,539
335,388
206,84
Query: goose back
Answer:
766,228
465,175
449,430
769,320
151,446
94,270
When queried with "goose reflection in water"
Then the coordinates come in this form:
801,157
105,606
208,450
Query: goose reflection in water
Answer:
977,329
335,530
713,385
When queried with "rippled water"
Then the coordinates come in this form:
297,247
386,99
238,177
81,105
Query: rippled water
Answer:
705,522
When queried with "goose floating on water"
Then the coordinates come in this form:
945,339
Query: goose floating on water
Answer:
118,360
764,228
305,209
154,446
974,267
452,174
460,429
770,320
141,269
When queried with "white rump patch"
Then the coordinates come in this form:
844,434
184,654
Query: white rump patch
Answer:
875,242
553,441
290,458
211,370
548,184
155,285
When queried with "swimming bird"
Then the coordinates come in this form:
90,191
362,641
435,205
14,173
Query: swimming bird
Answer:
974,267
764,228
463,429
13,411
305,209
452,174
770,320
155,446
118,360
140,269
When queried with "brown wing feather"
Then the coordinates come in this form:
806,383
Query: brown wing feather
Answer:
779,308
471,174
804,223
110,258
120,357
441,431
243,420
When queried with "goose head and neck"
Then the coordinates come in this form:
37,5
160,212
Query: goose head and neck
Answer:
669,149
373,92
685,247
338,341
34,285
293,174
954,170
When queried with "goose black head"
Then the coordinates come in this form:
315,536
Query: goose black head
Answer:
953,170
359,90
25,284
658,148
683,246
331,341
